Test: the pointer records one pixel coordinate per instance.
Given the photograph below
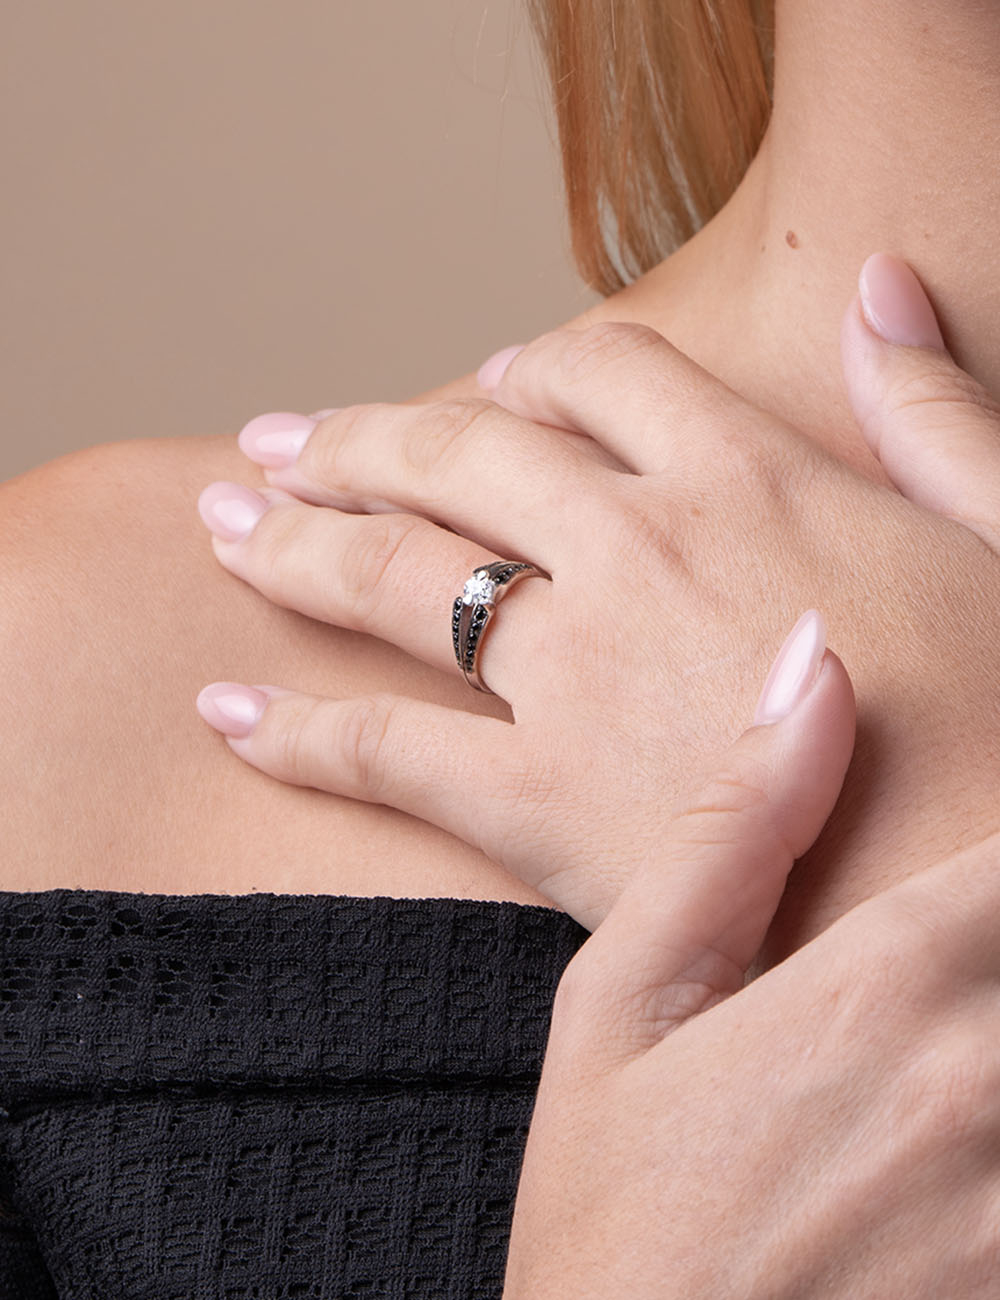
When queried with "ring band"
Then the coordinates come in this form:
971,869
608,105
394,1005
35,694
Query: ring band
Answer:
473,609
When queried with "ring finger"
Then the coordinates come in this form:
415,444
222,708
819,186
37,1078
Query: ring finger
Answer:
393,576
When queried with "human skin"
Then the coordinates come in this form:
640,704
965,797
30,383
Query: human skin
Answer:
802,1097
119,611
813,1134
854,1110
725,521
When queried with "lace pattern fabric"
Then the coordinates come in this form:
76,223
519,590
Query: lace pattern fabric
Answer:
266,1096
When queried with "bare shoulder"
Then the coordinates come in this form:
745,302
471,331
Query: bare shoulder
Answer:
115,615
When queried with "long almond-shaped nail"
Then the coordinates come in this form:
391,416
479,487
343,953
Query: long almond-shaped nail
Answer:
794,671
231,708
231,510
492,370
276,440
895,305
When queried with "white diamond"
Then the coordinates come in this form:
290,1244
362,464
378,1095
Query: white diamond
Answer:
479,590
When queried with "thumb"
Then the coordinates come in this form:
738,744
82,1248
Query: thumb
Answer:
688,924
934,428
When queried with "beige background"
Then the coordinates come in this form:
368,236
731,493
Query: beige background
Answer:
214,208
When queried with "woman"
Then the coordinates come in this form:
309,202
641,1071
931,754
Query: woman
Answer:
159,623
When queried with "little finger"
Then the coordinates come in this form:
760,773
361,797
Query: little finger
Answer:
420,758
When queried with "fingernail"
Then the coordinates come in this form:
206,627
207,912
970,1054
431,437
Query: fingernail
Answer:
230,510
492,370
895,305
322,414
231,708
276,439
794,671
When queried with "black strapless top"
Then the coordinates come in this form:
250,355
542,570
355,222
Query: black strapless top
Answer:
266,1096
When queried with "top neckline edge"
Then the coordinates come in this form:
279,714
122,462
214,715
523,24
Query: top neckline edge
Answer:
129,895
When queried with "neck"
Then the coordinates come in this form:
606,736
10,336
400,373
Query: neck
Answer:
883,137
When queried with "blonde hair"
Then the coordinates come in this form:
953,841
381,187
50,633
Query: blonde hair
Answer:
660,105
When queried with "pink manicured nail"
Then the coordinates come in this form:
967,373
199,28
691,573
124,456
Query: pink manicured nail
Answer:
794,671
895,305
492,370
276,439
230,510
231,708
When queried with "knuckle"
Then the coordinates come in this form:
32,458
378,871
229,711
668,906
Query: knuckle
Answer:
733,806
368,561
738,454
275,540
916,933
291,741
940,386
329,455
909,950
729,789
439,432
647,541
745,456
361,742
587,350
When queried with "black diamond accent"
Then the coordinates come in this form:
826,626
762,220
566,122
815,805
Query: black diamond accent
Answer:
504,576
472,640
456,619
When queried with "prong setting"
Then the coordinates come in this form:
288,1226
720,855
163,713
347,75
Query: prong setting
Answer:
473,609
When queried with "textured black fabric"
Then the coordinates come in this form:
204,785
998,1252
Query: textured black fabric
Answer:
266,1096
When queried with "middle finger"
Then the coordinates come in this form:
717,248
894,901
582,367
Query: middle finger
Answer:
493,476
